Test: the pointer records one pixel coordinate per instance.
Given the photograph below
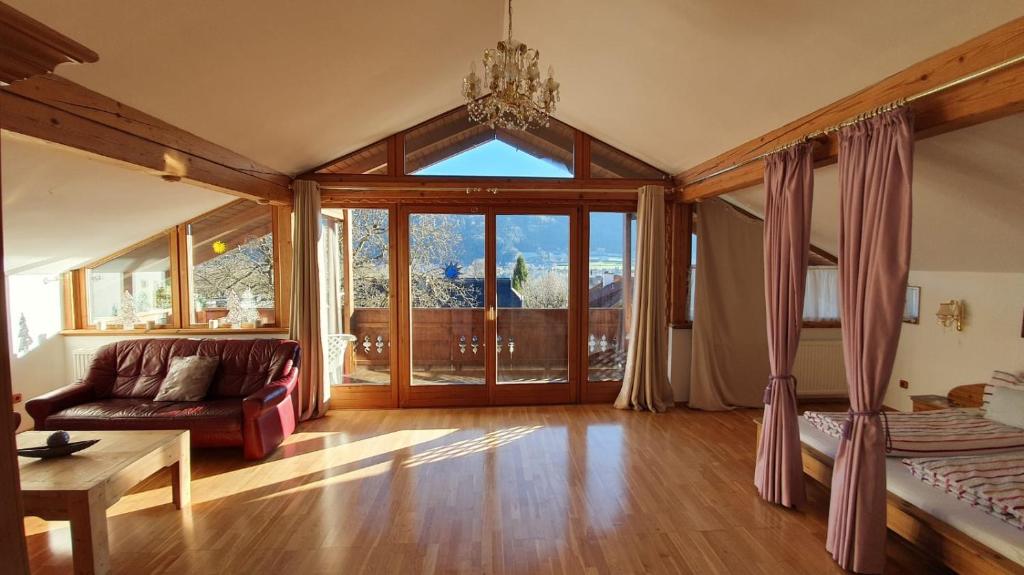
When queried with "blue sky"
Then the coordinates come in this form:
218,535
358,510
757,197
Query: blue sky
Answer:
495,158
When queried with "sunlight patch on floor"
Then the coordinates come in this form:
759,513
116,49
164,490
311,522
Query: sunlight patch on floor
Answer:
287,469
355,475
490,440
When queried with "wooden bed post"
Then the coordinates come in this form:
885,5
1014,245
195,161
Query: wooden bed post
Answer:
29,49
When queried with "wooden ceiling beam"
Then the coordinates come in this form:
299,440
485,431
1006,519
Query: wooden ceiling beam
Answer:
986,98
31,48
58,110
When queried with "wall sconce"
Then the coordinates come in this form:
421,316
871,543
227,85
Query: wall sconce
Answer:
951,313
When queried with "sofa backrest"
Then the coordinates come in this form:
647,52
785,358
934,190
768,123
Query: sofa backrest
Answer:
135,368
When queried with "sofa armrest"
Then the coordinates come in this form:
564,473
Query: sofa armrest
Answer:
47,404
271,395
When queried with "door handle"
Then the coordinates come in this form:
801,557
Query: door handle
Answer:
490,313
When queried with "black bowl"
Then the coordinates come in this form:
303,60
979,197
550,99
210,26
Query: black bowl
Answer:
60,451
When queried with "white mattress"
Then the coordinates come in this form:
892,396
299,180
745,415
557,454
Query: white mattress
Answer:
996,534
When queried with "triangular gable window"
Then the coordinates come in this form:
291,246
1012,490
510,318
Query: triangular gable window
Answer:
495,158
454,145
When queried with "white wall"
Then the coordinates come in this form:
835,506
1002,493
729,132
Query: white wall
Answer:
935,359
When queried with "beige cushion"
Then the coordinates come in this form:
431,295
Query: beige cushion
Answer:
1006,405
188,378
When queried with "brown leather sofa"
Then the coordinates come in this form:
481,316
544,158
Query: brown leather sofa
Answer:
252,400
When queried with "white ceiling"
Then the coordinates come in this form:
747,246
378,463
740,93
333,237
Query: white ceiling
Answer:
968,200
294,84
63,208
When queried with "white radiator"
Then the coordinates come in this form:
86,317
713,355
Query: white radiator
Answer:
81,359
819,369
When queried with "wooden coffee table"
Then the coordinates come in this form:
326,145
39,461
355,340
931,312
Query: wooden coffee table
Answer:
79,488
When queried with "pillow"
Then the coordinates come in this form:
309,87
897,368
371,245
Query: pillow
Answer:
1006,405
188,378
1005,378
999,379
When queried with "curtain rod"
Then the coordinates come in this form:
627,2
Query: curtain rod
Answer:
865,115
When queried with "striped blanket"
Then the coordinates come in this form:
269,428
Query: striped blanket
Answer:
993,483
932,433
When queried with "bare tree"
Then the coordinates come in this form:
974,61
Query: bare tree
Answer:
250,265
434,243
548,290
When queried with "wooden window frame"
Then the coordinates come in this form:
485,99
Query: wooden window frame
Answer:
75,295
397,177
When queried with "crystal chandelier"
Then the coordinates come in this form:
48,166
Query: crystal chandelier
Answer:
517,98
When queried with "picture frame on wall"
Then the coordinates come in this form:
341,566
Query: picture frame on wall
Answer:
912,307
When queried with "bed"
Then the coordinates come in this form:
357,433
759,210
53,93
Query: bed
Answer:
965,538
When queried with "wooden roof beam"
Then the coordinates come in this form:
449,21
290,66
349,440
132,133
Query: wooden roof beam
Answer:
58,110
986,98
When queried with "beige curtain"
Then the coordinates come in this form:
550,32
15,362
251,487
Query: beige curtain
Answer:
645,385
305,322
730,343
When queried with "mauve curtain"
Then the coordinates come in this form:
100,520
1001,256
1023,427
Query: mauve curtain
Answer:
789,186
305,325
730,348
645,385
875,174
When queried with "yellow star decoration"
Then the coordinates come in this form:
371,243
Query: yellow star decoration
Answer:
219,247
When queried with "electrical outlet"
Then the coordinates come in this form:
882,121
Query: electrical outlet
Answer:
904,384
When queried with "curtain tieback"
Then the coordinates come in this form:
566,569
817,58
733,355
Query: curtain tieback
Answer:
771,386
847,427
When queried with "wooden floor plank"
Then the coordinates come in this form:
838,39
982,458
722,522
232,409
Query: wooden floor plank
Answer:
563,490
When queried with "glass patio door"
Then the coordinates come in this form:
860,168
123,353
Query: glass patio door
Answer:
489,317
446,281
535,327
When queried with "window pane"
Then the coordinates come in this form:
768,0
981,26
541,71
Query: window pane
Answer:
533,298
446,275
356,293
231,260
607,162
821,298
692,286
140,278
612,272
454,145
34,316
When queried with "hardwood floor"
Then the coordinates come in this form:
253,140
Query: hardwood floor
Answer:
565,489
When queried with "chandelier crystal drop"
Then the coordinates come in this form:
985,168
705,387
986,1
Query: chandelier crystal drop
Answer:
517,98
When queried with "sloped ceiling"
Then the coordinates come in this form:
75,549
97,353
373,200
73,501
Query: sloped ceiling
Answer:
63,208
673,82
968,200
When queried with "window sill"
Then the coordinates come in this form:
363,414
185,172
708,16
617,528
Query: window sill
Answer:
177,331
822,324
